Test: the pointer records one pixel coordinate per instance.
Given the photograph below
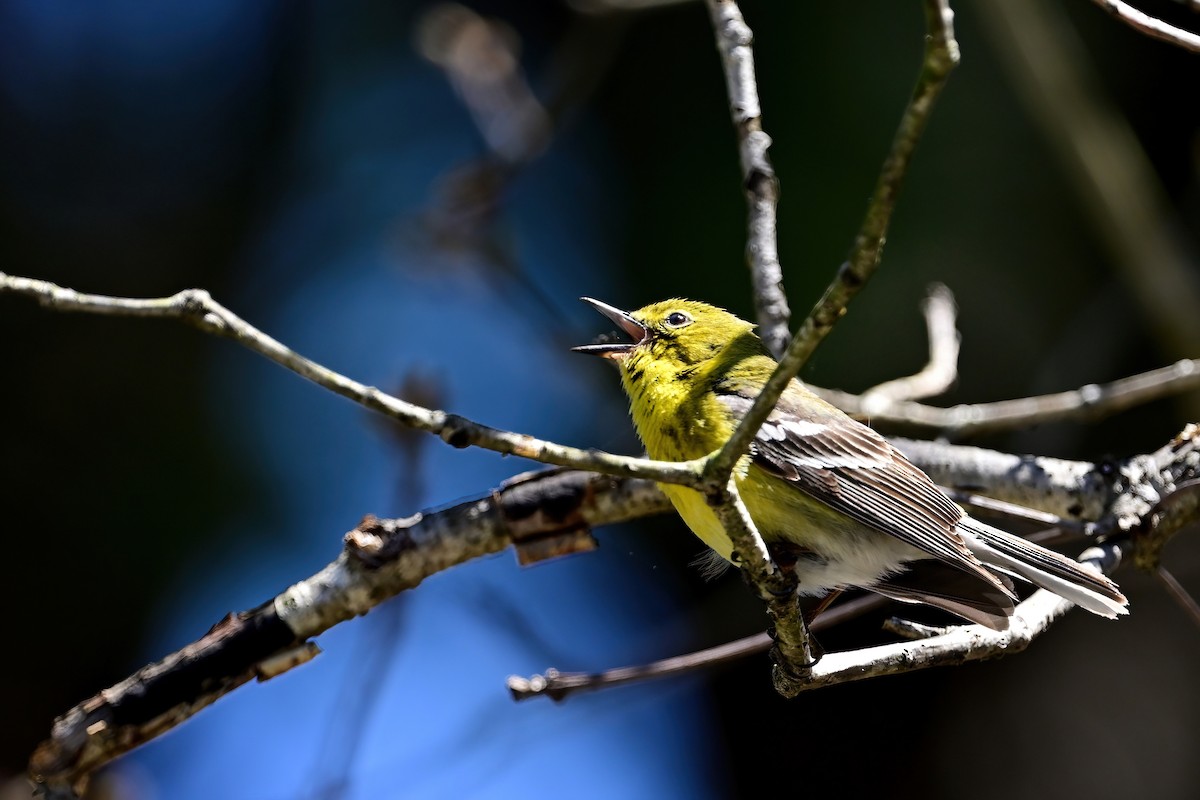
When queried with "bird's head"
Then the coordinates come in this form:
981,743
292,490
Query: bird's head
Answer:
673,335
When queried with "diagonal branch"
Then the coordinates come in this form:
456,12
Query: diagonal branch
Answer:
1086,403
1152,27
561,685
197,308
381,558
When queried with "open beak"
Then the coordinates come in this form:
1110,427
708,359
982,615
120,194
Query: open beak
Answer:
615,350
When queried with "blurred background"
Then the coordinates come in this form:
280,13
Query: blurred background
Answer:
415,194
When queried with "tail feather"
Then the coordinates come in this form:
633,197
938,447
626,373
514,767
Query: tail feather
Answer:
1086,588
949,588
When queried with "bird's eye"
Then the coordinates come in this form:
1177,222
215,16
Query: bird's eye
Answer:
677,319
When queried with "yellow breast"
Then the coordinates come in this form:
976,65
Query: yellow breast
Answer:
678,421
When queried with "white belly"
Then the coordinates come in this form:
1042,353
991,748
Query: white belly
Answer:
840,553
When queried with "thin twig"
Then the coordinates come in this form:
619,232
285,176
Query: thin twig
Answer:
940,373
197,308
941,54
758,176
561,685
1086,403
1180,594
1154,28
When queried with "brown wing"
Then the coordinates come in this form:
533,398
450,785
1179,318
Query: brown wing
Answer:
854,470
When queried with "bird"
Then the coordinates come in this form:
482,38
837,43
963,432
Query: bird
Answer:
821,487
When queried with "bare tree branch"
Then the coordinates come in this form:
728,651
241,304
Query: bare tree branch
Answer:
758,176
1086,403
561,685
197,308
1154,28
381,558
1151,496
1078,490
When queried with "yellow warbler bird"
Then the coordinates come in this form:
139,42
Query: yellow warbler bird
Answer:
852,509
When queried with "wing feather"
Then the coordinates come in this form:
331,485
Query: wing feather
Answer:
855,471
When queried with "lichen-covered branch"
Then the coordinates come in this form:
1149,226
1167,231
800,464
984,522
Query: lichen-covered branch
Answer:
548,512
1069,489
1149,497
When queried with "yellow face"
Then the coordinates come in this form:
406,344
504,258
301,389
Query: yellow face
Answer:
672,336
681,351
